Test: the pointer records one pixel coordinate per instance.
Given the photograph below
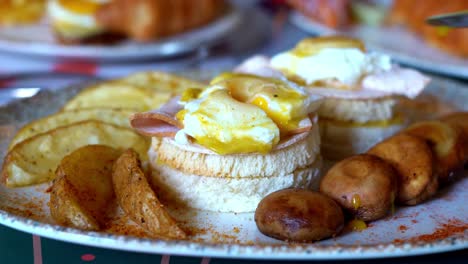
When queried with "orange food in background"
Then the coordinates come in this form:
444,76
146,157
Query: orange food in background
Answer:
17,12
332,13
412,14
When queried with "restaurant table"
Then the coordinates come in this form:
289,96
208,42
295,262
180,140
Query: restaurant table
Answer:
269,33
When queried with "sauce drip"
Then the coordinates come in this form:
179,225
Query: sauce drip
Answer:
356,201
357,225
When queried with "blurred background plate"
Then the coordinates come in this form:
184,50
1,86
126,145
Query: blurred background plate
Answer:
403,46
38,39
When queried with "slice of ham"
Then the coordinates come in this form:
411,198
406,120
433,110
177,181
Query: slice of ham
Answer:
160,122
397,81
259,65
402,81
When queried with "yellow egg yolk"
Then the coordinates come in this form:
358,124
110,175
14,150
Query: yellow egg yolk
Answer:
15,12
226,126
81,7
310,46
284,105
357,225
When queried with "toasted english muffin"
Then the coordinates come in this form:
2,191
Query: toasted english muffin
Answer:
298,152
341,139
228,194
358,110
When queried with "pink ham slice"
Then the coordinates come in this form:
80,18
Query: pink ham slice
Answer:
402,81
160,122
260,66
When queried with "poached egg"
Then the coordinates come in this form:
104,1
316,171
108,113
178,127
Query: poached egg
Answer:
316,61
241,113
75,19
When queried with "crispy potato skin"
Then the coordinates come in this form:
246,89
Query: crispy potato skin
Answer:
65,207
413,160
364,185
82,195
138,200
298,215
446,142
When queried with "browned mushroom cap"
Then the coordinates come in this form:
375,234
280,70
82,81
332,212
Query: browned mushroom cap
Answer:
446,142
364,185
298,215
413,160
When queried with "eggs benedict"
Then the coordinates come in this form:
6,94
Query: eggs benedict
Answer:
224,147
361,89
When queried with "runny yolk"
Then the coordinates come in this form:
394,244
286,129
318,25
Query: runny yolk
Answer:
357,225
82,7
356,201
283,119
241,145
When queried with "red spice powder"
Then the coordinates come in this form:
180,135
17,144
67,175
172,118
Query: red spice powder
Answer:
452,227
402,228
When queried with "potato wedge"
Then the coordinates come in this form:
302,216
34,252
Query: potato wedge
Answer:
161,81
82,195
65,207
413,160
139,201
142,91
117,116
118,95
34,160
446,142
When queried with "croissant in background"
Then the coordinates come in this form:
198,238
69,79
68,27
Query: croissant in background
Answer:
146,20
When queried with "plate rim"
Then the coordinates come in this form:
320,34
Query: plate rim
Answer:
311,251
228,250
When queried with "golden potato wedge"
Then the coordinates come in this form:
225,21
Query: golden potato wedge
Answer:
139,201
161,81
82,195
118,95
446,142
117,116
413,160
142,91
34,160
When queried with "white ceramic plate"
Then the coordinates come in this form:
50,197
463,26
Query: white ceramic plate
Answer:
422,229
38,40
400,44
